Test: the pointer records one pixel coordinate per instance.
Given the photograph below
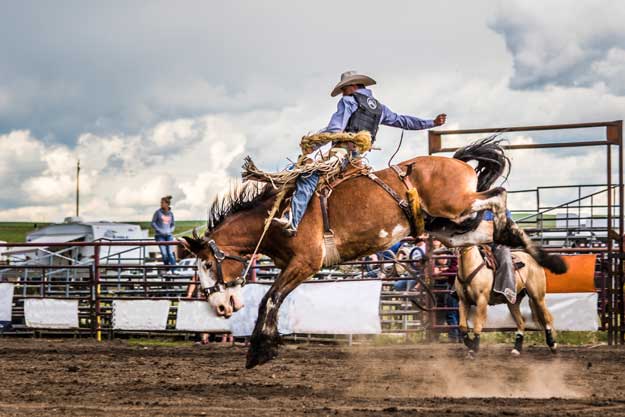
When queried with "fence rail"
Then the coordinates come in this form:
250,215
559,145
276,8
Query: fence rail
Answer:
95,286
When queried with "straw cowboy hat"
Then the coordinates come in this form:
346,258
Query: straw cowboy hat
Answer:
349,78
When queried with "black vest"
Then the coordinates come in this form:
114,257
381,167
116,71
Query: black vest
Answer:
366,117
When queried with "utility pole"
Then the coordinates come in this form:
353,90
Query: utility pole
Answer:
78,188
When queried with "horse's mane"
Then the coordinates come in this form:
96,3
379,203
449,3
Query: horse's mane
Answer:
240,197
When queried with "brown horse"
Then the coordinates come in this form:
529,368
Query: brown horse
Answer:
474,285
365,219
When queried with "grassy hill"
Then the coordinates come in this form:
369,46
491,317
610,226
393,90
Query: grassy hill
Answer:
17,231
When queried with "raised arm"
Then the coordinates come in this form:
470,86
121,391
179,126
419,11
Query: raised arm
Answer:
390,118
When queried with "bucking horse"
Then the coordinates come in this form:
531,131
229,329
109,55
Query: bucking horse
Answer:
368,214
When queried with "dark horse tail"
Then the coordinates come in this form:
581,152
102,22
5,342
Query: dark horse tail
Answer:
492,162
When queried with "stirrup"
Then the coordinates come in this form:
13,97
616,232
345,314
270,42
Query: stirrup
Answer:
281,221
285,223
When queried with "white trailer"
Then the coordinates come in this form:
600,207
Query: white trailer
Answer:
73,229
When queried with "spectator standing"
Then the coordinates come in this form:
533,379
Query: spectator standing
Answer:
445,269
164,224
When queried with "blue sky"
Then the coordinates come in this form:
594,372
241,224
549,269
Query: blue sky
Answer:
166,98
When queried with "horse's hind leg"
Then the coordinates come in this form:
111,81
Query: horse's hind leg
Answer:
545,319
494,200
506,232
265,338
515,310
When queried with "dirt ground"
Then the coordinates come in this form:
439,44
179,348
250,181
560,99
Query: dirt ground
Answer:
83,378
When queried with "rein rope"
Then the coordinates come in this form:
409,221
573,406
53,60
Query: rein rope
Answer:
401,139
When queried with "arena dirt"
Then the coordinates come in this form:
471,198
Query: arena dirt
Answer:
84,378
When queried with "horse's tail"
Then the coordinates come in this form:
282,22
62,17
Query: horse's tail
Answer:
492,162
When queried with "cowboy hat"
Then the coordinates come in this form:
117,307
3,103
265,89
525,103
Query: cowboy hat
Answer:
349,78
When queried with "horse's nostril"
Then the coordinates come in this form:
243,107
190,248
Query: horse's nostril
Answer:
221,309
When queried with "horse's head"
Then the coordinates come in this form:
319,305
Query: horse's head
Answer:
220,273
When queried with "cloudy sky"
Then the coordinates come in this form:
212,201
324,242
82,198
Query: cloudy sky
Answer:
160,98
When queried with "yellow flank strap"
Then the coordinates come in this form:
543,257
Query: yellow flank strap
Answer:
415,205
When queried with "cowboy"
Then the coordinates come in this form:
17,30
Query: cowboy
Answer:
357,110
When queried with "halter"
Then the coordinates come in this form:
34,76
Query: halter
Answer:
220,256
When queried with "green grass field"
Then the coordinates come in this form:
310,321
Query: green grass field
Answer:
17,231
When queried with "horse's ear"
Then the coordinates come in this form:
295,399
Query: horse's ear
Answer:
192,244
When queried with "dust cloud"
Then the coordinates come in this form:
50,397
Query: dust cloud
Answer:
448,374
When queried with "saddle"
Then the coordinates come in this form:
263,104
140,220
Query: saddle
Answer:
504,282
356,168
491,260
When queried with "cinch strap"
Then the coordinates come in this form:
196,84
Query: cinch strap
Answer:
403,204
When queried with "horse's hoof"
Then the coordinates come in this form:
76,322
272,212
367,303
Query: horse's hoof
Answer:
261,351
471,355
259,358
515,352
554,348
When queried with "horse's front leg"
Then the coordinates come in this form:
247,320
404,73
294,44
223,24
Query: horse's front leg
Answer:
463,310
478,323
265,338
515,310
463,325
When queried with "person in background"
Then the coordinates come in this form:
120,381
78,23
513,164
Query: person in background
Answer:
445,269
417,253
164,224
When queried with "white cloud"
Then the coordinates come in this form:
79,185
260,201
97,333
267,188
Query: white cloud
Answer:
49,189
562,42
611,69
175,114
123,177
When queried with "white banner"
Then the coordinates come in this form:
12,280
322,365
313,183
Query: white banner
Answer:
571,311
6,301
198,316
51,313
243,321
140,314
350,307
